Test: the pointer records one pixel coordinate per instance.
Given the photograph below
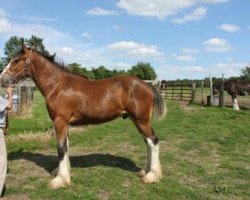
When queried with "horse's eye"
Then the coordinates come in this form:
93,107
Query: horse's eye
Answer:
15,61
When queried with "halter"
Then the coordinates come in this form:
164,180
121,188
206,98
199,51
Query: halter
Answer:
27,63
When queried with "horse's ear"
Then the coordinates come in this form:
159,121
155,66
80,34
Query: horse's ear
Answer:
24,48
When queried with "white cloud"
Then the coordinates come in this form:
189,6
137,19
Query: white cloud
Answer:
182,72
67,50
100,11
2,13
133,49
121,65
5,26
231,28
35,18
184,58
160,8
197,14
229,69
50,35
217,45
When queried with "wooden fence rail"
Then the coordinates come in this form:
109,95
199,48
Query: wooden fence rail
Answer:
183,91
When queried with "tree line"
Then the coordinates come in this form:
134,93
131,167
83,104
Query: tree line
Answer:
142,70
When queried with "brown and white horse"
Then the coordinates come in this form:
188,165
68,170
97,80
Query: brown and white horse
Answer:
73,99
234,88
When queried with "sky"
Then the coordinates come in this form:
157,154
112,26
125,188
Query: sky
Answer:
181,39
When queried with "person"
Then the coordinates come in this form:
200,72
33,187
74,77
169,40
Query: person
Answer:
6,105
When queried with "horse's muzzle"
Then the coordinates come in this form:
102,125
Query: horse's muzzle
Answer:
6,80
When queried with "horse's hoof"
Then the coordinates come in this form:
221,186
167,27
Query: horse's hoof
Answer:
151,177
58,182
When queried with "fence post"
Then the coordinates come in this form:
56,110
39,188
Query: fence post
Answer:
193,92
19,100
211,90
173,91
181,90
202,93
221,94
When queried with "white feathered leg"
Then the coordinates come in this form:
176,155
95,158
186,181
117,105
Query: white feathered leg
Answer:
154,174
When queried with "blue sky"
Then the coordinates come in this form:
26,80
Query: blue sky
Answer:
180,39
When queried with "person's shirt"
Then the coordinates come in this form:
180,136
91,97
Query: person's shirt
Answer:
3,105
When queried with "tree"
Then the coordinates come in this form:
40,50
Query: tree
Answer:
245,73
100,72
143,71
36,43
14,45
3,63
75,68
78,69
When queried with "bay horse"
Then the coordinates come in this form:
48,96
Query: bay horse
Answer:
73,99
233,88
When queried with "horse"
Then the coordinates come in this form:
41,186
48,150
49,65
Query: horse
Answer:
75,100
233,88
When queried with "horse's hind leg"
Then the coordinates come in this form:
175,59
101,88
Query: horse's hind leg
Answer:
63,176
152,172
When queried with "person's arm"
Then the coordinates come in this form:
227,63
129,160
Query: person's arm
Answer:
10,98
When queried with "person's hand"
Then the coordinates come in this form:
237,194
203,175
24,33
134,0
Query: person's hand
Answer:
9,91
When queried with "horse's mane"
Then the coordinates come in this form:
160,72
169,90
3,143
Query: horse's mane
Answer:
59,63
52,58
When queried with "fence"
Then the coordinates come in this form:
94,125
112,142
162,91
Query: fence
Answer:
23,98
29,113
183,91
198,92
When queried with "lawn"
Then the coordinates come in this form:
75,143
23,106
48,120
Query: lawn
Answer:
205,154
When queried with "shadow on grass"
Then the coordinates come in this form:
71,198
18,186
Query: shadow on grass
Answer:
50,163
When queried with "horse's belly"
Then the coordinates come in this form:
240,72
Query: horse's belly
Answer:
92,120
95,118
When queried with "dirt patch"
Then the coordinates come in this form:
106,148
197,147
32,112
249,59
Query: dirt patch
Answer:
43,136
184,105
102,195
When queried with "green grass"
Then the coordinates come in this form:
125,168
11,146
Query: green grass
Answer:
204,155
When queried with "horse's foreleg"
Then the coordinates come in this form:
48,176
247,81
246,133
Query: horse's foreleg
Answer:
63,176
154,173
235,104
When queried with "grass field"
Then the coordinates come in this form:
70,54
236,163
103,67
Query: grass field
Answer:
205,154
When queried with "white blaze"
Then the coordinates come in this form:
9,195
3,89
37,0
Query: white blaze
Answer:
4,70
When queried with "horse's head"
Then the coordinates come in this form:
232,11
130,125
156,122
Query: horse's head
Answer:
17,69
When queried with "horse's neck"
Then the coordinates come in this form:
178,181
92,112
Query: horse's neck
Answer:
46,76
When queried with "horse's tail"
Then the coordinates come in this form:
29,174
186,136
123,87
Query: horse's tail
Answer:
160,108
